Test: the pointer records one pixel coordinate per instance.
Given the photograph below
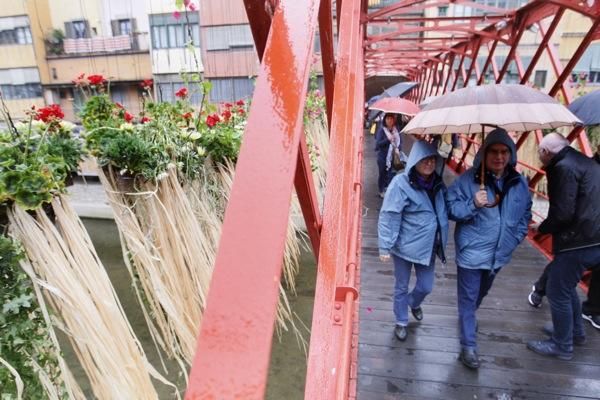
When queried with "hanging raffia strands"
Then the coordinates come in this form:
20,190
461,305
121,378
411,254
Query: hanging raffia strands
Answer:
166,255
80,292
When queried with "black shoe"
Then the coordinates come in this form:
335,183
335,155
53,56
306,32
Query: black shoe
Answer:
550,349
534,298
469,358
417,313
594,319
401,333
548,329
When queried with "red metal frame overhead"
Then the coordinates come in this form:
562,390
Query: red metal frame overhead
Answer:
235,339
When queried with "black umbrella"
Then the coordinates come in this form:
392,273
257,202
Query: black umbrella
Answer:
587,108
399,89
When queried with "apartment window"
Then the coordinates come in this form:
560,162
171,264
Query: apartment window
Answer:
594,77
168,84
443,11
24,91
231,89
168,32
228,37
123,26
77,29
540,79
15,30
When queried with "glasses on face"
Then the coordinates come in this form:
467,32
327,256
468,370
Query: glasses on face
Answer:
499,152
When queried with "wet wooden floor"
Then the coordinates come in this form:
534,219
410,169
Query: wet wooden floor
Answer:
426,365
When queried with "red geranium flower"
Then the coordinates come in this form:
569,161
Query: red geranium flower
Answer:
176,15
182,93
228,105
144,120
239,103
119,105
79,79
127,116
226,115
187,115
192,7
49,113
96,80
212,120
147,83
241,111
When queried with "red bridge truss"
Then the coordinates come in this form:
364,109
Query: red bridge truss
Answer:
407,38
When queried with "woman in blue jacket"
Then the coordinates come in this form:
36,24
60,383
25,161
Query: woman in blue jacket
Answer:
413,229
486,236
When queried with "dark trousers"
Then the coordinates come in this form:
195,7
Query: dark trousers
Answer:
473,285
592,304
564,274
385,176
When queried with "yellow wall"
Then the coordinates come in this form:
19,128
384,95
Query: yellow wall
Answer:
17,108
11,7
17,56
68,10
125,67
40,26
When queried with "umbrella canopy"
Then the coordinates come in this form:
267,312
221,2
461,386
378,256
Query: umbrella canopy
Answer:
427,101
516,108
395,105
399,89
587,108
373,99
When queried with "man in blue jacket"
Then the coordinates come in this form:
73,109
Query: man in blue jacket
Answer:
486,235
574,223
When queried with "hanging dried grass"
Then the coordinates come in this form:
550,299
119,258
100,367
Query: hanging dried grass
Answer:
80,292
167,257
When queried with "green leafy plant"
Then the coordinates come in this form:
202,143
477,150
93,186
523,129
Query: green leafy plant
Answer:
24,339
36,157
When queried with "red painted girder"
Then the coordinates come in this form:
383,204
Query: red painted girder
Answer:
546,36
327,55
234,345
307,197
327,332
516,39
579,6
474,54
459,28
408,6
479,19
260,23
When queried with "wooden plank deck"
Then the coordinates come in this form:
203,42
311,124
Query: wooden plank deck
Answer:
426,365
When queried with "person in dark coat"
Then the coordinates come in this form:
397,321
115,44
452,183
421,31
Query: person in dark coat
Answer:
574,223
386,137
591,307
486,236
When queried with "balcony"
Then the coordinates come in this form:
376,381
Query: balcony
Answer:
134,43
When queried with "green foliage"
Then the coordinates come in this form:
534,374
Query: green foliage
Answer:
24,338
35,160
222,144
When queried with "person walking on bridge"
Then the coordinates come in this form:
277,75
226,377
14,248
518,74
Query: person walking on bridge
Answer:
486,235
413,229
387,139
574,223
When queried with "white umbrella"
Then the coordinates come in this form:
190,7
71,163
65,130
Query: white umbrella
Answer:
516,108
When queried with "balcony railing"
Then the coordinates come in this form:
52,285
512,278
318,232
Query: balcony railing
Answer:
106,44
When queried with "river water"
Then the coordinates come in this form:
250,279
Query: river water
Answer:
288,360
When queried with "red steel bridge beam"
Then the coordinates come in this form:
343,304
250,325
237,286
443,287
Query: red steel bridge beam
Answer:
333,341
234,344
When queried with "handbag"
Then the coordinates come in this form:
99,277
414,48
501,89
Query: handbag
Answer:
398,162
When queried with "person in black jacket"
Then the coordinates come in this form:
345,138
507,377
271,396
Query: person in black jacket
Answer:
574,222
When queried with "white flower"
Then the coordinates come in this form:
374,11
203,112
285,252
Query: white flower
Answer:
201,151
67,126
126,126
195,135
